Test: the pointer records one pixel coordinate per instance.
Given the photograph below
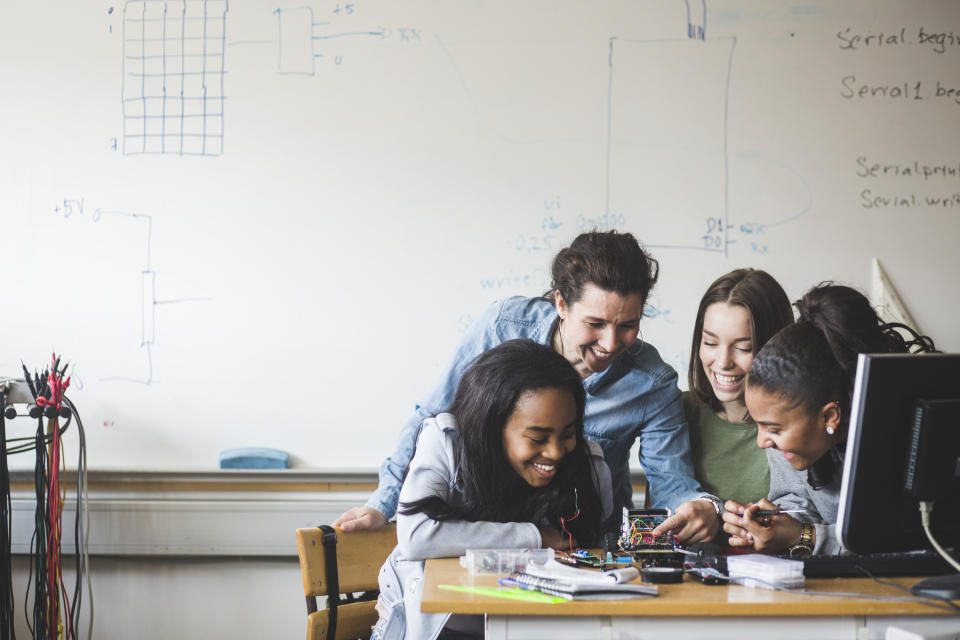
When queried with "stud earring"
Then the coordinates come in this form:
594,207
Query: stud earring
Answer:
830,431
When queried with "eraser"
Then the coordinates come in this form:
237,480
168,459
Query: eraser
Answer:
254,458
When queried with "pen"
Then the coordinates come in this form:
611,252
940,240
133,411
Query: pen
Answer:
764,513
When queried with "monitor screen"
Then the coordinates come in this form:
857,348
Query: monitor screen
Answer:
902,403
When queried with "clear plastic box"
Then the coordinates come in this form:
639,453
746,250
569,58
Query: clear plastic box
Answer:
488,561
758,570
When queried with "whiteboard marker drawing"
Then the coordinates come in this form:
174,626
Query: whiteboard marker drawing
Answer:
173,76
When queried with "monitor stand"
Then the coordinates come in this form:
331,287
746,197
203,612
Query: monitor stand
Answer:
938,587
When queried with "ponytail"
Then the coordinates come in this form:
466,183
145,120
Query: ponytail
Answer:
814,361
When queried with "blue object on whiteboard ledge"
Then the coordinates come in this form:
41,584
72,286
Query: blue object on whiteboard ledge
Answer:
254,458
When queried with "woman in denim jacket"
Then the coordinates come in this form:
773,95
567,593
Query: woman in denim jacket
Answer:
591,316
507,467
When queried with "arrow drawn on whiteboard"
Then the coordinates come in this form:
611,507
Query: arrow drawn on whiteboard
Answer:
380,32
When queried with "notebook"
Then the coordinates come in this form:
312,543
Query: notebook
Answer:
572,583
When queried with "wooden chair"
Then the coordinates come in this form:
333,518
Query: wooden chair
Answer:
333,563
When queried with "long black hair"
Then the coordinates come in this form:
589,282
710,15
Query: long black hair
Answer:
814,361
491,490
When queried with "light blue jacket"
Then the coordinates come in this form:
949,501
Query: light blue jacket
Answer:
635,397
433,471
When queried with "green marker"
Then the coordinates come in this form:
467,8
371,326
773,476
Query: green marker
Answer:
512,593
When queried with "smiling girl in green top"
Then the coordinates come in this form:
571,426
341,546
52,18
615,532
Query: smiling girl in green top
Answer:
739,312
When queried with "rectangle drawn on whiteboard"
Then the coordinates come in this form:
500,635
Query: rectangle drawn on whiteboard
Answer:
173,71
668,139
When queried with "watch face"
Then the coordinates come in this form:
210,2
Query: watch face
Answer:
798,550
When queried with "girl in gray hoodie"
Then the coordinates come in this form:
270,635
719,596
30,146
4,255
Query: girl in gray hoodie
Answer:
506,466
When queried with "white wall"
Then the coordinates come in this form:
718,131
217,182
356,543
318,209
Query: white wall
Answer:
209,555
173,597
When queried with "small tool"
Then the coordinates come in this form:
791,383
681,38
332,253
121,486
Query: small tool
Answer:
777,512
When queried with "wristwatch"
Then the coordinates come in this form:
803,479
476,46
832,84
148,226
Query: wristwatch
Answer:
804,546
715,501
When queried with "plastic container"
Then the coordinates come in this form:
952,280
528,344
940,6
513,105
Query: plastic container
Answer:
758,570
491,561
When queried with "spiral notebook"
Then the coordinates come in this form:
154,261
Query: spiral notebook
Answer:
584,590
571,583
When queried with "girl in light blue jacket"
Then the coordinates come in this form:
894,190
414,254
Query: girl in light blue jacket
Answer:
506,466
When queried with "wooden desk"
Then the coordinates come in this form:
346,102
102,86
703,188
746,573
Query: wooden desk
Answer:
687,610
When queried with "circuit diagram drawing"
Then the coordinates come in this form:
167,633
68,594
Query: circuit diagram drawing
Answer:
301,38
695,90
173,76
298,33
149,301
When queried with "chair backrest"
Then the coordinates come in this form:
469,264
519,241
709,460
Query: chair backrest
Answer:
332,563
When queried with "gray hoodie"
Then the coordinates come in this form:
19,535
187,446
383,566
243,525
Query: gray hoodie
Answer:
789,490
433,471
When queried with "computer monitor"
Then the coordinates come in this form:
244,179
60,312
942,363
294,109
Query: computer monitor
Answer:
903,446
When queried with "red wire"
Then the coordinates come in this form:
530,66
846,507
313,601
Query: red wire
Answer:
56,589
563,525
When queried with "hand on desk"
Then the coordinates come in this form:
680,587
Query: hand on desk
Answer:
693,521
361,519
771,535
550,537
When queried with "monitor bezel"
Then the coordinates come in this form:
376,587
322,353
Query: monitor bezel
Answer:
874,514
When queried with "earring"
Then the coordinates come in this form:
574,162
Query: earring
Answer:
830,431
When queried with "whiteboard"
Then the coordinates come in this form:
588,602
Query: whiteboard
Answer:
252,224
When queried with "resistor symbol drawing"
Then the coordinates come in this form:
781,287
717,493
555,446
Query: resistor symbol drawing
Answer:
148,298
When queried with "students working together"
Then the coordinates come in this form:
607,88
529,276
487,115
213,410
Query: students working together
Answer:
525,441
591,317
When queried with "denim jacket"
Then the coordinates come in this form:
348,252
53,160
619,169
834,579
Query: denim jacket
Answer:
635,397
433,471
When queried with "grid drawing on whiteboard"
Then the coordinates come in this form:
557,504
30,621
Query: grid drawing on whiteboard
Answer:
173,72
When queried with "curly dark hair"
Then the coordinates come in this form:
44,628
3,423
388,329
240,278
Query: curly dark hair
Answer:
611,260
813,361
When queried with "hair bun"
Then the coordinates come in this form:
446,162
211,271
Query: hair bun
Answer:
811,305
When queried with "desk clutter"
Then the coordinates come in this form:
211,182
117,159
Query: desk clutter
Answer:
635,556
572,583
579,574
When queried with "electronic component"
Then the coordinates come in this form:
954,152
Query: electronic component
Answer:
662,575
705,573
580,558
637,538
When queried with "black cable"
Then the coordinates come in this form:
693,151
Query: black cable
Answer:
30,442
26,596
44,621
924,599
40,618
79,540
6,537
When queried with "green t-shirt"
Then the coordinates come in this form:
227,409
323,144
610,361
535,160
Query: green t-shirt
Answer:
726,459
